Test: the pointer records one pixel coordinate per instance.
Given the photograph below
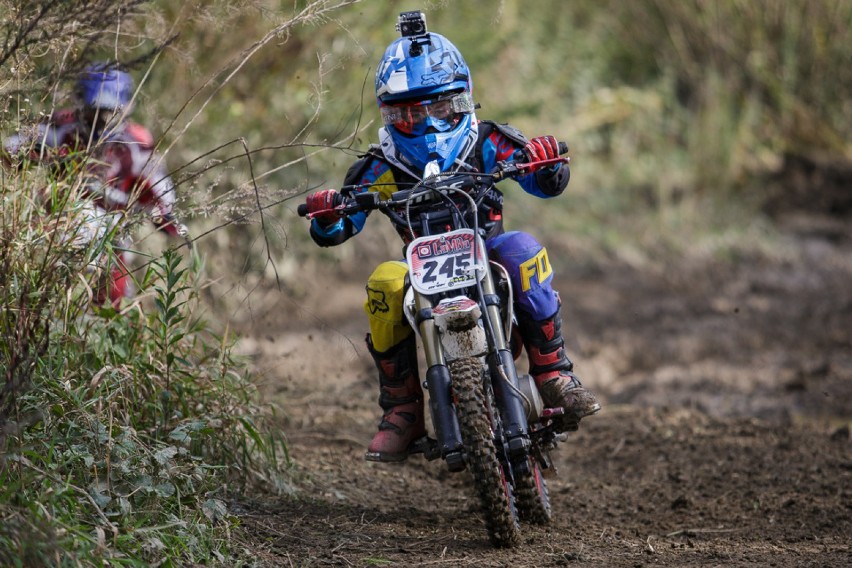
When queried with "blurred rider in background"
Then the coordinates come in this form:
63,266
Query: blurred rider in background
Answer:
424,93
122,174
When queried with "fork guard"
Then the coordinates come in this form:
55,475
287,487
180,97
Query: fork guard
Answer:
444,420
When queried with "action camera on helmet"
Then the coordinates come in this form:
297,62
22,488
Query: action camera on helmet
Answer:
411,24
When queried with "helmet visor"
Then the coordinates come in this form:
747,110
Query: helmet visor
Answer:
416,118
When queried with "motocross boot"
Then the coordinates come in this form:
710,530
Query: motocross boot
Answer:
401,397
552,371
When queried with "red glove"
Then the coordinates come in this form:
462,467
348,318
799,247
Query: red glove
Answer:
542,148
321,205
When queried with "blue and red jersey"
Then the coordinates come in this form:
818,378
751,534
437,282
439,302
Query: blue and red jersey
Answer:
495,143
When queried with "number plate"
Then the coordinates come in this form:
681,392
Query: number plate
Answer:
446,262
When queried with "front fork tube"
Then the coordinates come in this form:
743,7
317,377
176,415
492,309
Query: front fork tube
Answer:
442,409
501,365
509,401
438,381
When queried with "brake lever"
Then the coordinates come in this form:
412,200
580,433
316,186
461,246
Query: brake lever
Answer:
512,169
530,167
339,211
366,201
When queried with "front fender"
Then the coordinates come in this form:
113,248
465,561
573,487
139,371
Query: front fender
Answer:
459,323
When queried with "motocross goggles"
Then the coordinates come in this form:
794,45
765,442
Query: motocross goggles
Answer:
416,118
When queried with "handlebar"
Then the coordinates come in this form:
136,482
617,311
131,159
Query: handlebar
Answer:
520,165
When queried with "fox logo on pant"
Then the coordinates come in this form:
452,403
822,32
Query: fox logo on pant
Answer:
538,266
377,301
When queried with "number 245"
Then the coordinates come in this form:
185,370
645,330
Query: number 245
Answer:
453,266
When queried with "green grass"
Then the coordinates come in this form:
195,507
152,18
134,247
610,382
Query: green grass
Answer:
126,433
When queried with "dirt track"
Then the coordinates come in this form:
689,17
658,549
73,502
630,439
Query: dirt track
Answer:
724,440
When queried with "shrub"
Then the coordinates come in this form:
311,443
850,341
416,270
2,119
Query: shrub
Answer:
122,432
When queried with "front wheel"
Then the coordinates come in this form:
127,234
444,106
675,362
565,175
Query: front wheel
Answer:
495,492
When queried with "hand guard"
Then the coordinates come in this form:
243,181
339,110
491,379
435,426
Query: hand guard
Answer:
542,148
321,204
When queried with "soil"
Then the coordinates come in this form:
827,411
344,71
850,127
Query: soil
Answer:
723,440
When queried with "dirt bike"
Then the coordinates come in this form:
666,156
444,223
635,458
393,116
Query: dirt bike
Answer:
485,417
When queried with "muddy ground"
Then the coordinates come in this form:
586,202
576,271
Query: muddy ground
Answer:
723,441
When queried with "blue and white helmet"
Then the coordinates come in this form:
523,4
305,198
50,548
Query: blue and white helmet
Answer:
424,91
106,88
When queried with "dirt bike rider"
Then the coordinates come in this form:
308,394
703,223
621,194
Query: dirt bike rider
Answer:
423,88
123,173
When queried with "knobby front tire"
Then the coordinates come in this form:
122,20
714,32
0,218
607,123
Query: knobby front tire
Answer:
495,493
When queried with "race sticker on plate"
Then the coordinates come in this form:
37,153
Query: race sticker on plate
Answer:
446,262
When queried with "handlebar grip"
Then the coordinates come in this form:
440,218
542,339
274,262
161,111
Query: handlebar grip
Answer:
302,210
521,155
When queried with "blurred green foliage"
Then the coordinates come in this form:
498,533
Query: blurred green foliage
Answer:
675,110
672,108
121,433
